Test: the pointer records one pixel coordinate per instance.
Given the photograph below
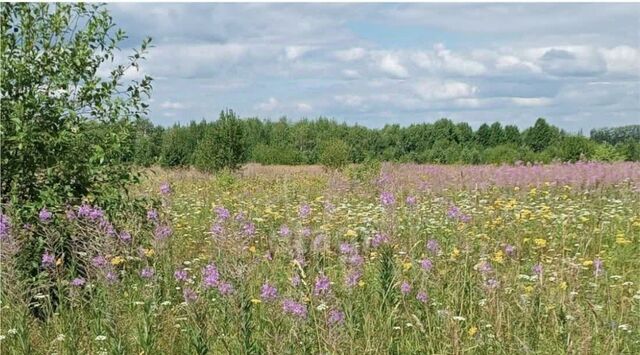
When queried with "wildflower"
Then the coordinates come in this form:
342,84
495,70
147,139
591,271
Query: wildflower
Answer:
210,276
455,253
48,260
379,239
498,257
387,198
426,265
510,250
268,292
189,295
540,242
217,229
492,284
292,307
225,288
304,210
322,286
422,296
147,273
125,236
78,281
101,338
70,214
306,232
152,215
537,269
411,200
162,232
44,215
295,280
405,288
346,248
117,260
598,267
222,213
355,260
352,279
111,277
181,275
335,317
165,188
5,226
99,262
485,267
433,246
249,229
351,233
472,331
284,231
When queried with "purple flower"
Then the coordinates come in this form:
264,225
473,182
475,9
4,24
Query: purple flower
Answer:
48,260
5,226
306,232
165,188
335,317
351,280
70,214
268,292
78,281
422,297
433,246
411,200
125,236
295,280
492,284
44,215
304,210
355,260
249,229
284,231
162,232
239,217
222,213
99,262
598,267
537,269
111,277
189,295
147,273
426,265
387,198
510,250
485,267
346,248
225,288
379,239
405,288
217,229
152,215
323,285
210,276
292,307
181,275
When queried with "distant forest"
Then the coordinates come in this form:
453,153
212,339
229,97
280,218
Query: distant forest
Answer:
231,140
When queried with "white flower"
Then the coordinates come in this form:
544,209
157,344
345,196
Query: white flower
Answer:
12,331
166,303
101,338
60,337
459,318
321,307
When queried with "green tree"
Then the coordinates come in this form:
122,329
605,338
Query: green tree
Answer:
334,154
541,135
222,145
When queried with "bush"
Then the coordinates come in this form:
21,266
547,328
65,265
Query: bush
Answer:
505,153
222,145
334,154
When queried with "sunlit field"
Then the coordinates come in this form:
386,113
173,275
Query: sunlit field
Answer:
407,259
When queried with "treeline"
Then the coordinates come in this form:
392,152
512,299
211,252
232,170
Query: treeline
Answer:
232,141
617,134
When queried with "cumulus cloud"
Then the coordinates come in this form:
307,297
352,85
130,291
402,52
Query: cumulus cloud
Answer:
269,105
350,54
389,63
171,105
433,90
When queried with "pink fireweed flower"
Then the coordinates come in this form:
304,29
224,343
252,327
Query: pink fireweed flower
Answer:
99,262
387,198
181,275
598,267
426,265
323,285
433,246
336,317
44,215
225,288
485,267
189,295
379,239
411,200
147,273
268,292
239,217
165,188
355,260
162,232
492,284
152,215
405,288
249,229
78,282
346,248
48,260
5,226
537,269
70,214
111,277
125,236
304,210
290,306
284,231
306,232
422,296
217,229
210,276
222,213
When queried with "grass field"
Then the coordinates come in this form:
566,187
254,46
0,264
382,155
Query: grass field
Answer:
410,259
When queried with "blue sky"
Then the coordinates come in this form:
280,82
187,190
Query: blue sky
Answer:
578,65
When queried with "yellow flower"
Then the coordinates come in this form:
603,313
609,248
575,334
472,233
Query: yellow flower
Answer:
528,289
149,252
472,331
587,263
455,253
540,242
498,257
407,266
351,233
563,285
622,241
117,261
361,283
255,301
252,248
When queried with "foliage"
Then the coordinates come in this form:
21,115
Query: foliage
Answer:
334,154
222,145
616,135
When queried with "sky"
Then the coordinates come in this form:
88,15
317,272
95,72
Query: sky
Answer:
577,65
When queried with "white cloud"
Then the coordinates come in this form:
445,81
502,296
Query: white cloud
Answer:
572,61
172,105
390,64
303,107
295,52
349,100
434,90
531,101
350,54
622,59
269,105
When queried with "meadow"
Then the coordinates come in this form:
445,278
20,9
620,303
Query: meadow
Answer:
406,259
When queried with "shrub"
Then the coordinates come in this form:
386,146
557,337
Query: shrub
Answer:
334,154
222,146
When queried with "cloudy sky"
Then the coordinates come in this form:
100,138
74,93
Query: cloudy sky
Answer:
578,65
